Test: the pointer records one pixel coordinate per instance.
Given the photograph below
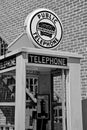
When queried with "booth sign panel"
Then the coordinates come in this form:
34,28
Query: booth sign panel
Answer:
49,60
7,63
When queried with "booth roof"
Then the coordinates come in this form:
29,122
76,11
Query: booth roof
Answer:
55,53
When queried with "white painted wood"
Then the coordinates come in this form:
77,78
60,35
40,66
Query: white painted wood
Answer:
20,94
3,128
50,52
47,66
63,98
8,69
68,103
7,104
42,51
75,109
15,40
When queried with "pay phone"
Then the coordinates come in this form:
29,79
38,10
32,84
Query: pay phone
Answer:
43,107
42,111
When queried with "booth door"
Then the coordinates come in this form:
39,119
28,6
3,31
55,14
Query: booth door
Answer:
45,99
31,102
59,99
7,99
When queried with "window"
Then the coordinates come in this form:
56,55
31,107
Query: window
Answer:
7,100
31,101
3,46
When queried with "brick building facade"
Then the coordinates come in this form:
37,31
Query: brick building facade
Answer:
73,16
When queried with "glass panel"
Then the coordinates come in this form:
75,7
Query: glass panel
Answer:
57,97
7,97
7,87
7,114
31,98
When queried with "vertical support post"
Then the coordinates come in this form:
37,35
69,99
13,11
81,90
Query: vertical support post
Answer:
75,109
68,103
63,98
3,128
51,104
20,93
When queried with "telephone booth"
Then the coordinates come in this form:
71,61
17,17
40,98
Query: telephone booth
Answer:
40,87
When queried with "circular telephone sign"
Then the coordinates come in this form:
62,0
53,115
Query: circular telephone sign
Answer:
44,28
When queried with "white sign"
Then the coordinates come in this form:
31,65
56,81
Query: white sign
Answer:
44,28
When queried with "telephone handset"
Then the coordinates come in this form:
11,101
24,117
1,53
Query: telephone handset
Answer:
43,109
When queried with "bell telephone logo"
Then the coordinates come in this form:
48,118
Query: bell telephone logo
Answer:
45,29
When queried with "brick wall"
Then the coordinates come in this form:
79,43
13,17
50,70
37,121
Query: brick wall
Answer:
73,15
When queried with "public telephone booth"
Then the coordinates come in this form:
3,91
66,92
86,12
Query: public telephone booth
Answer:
39,88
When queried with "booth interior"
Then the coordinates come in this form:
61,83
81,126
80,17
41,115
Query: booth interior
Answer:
47,104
